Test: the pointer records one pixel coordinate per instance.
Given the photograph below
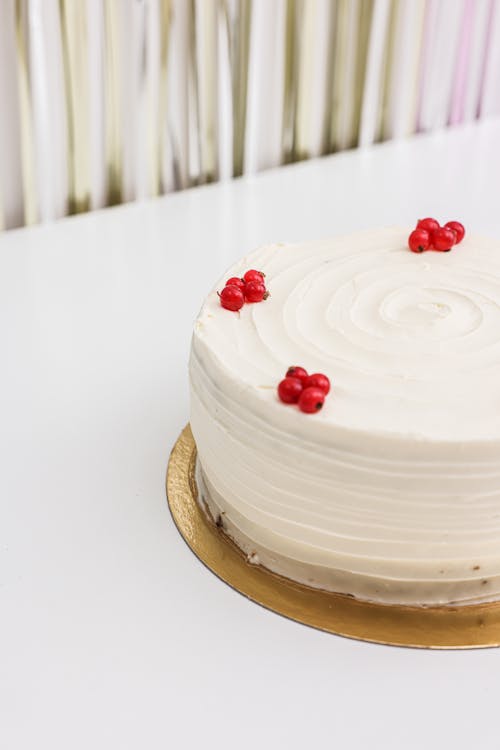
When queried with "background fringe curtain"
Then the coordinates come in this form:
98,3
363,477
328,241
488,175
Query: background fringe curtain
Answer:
105,101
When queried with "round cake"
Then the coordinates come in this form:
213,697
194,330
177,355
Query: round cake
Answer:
391,492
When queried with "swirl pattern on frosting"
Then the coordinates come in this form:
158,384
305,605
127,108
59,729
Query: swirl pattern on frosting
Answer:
392,491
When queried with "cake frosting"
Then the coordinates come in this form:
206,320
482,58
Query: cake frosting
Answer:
391,492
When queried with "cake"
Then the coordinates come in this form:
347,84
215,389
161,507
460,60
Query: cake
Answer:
390,493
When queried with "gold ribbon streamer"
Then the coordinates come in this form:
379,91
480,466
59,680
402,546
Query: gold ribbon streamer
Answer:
26,114
76,80
113,141
204,56
338,73
165,26
388,69
290,84
238,32
352,32
365,14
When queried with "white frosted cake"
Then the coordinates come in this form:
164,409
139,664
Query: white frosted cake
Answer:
390,493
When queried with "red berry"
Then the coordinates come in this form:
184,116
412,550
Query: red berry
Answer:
419,240
430,225
455,240
311,400
235,281
289,390
231,298
253,275
317,380
443,239
255,291
297,372
458,228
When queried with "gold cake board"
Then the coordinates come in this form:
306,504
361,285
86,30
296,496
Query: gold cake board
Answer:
473,626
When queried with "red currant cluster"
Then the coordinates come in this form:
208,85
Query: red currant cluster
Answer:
429,235
251,288
307,391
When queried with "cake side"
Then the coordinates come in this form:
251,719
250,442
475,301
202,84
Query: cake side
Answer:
390,484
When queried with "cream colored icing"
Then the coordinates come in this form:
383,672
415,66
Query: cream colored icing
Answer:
392,491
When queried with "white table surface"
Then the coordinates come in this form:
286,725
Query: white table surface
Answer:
112,634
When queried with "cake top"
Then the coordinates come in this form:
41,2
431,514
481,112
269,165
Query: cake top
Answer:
410,342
